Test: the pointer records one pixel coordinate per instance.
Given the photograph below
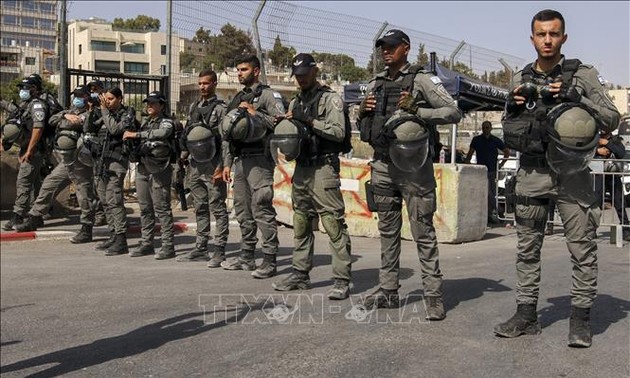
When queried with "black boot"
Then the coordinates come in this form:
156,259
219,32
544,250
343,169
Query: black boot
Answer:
268,267
84,236
119,246
580,335
30,224
14,221
524,322
107,243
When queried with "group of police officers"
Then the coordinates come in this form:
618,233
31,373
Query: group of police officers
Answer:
553,117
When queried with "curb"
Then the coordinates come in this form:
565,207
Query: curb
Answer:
178,228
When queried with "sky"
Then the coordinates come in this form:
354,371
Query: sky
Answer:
598,31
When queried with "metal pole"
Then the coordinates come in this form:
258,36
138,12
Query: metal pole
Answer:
64,80
169,37
376,37
263,75
451,59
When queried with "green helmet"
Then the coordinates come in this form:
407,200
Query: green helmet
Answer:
156,156
409,150
200,142
66,144
11,132
286,141
573,137
239,126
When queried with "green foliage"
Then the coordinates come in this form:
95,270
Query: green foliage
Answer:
141,23
280,55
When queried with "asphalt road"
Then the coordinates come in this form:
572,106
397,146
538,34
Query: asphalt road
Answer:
67,310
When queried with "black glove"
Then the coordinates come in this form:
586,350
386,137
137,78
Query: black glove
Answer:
299,115
569,93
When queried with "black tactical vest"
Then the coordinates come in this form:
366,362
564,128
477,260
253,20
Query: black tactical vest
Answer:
525,130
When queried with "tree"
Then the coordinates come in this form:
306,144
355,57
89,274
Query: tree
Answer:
281,55
422,58
141,23
202,36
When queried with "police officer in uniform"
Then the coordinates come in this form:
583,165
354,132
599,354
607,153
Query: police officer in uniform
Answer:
154,175
112,119
406,97
75,165
201,144
550,170
246,127
33,118
318,111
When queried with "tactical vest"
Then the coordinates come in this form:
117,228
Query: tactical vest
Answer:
317,146
387,94
238,148
525,130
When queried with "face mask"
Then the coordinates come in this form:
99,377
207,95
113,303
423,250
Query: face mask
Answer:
25,94
78,102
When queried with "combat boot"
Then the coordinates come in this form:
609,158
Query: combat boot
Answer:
435,308
200,253
14,221
218,256
295,281
382,298
30,224
524,322
102,246
119,246
143,250
341,290
580,335
83,236
167,252
267,269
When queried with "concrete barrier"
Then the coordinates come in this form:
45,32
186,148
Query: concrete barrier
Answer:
461,214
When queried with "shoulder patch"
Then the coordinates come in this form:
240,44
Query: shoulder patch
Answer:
277,95
601,80
436,80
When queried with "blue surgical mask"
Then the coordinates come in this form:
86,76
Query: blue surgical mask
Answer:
25,94
78,102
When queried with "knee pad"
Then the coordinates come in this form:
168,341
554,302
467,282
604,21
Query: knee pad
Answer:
332,226
301,225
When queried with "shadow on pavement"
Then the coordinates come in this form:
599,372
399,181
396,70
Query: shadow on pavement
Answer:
135,342
607,310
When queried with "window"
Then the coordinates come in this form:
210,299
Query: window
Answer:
131,47
29,22
163,50
29,61
133,67
107,65
80,48
103,46
9,20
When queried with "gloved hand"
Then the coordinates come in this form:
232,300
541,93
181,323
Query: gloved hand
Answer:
299,115
569,93
408,104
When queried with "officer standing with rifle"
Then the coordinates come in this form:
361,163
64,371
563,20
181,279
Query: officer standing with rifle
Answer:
27,130
553,118
112,165
201,143
313,135
246,129
398,119
154,175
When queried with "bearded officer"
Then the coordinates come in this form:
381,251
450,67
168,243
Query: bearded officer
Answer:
154,176
201,144
553,165
419,101
246,127
316,117
32,121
